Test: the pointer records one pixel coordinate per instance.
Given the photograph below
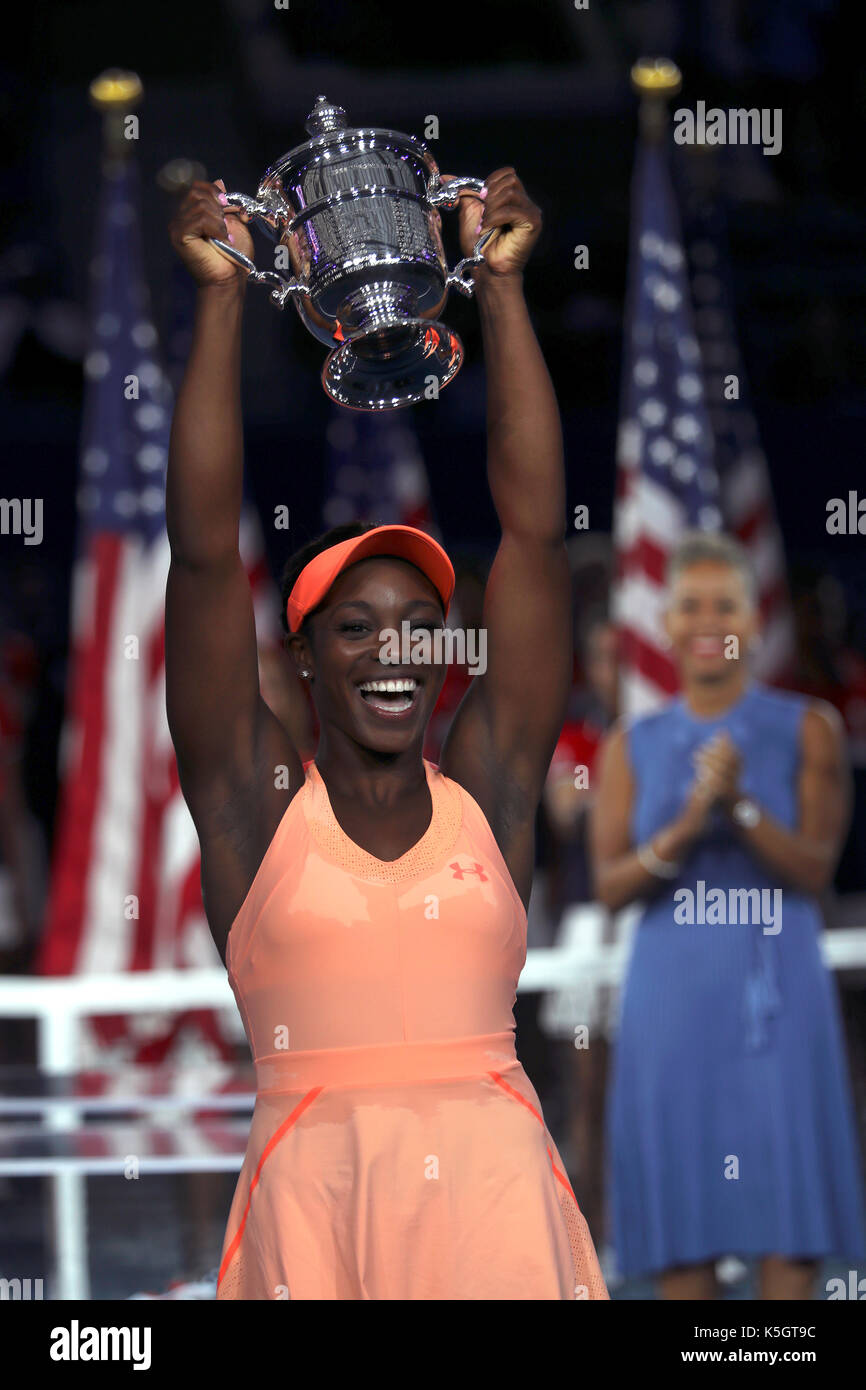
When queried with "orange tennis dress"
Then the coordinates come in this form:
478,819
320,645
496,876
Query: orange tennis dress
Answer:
397,1147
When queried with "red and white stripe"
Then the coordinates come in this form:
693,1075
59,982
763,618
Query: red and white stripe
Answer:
125,890
646,517
750,515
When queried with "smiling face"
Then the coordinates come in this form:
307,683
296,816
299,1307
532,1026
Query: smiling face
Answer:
345,648
708,605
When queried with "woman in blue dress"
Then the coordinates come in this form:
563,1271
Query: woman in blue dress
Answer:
730,1121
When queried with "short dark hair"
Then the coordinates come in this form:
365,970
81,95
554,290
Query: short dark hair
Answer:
308,552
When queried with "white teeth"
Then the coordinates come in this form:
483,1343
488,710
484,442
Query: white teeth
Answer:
392,687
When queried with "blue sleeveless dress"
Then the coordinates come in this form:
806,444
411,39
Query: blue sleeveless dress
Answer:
730,1121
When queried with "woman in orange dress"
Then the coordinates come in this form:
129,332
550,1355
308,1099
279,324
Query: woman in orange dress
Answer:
370,905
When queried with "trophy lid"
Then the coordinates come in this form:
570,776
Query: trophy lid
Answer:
324,117
329,129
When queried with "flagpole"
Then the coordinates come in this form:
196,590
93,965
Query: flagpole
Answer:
656,474
116,93
656,81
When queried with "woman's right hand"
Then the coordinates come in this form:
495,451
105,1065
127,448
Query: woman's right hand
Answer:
201,215
696,812
716,780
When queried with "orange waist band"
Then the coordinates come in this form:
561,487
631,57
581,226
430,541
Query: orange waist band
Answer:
404,1061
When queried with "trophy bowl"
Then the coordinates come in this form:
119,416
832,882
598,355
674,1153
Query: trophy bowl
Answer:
355,215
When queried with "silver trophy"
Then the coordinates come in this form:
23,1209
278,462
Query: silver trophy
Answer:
357,210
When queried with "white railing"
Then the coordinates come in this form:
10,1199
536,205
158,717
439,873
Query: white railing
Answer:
60,1006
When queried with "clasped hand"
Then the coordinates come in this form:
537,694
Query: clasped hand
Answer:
718,768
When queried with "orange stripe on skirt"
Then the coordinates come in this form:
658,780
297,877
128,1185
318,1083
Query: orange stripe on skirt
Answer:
268,1150
532,1110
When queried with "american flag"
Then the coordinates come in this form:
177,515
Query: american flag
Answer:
125,890
666,478
746,495
375,471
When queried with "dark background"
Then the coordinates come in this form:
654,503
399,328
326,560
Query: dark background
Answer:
542,87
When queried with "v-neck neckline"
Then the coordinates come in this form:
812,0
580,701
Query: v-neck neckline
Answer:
388,865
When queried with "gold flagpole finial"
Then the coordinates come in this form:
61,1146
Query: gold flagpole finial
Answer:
116,93
655,80
116,88
656,77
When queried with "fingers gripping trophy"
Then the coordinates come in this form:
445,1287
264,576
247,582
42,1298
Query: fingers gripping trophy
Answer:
358,212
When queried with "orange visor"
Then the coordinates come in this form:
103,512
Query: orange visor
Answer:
403,542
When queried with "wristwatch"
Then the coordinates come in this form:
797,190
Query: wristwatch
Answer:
746,812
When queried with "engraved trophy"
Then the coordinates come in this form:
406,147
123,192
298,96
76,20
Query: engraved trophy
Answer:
357,210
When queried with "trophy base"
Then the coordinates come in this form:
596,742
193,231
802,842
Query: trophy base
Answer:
393,364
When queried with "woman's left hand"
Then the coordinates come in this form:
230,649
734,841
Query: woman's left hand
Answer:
719,767
507,206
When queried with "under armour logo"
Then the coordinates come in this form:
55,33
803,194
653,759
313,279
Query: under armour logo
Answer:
459,871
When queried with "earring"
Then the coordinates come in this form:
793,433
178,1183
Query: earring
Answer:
305,673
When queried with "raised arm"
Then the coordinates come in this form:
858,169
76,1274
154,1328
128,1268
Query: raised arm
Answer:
218,720
503,735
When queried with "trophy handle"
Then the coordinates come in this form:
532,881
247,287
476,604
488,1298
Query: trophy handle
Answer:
447,195
456,278
275,221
